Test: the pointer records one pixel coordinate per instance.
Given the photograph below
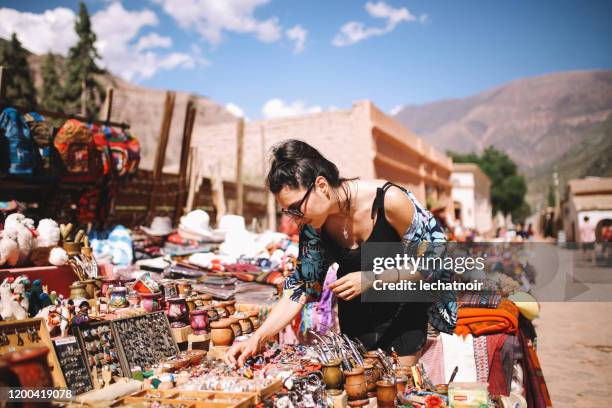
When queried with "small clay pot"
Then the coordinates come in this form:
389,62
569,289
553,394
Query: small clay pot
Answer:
175,363
254,316
245,325
191,303
213,314
206,299
235,325
118,297
371,376
107,283
195,356
441,389
333,377
222,312
355,384
230,306
77,291
177,312
184,288
373,358
150,301
386,394
404,371
401,383
221,333
133,299
199,321
170,290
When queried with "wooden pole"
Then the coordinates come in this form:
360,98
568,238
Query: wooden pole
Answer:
108,108
160,154
2,82
239,153
270,203
190,114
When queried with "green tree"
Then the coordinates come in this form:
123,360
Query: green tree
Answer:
508,188
81,90
551,196
52,97
18,82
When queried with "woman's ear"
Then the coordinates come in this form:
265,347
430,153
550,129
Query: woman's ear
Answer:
322,185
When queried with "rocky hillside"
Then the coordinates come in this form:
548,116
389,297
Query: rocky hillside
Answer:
559,119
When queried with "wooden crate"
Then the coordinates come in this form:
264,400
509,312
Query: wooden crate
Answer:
197,399
9,328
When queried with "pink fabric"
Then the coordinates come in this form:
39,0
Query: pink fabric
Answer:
481,357
433,360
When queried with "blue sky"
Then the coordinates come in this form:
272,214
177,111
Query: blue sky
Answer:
415,51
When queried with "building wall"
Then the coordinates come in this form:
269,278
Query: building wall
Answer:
463,193
472,192
341,136
594,217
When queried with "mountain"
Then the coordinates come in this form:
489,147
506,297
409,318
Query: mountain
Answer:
143,107
560,119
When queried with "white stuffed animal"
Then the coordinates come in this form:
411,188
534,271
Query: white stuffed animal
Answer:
13,220
25,239
19,288
48,233
58,256
9,248
10,307
21,225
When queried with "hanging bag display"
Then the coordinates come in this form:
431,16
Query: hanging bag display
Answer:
76,147
18,143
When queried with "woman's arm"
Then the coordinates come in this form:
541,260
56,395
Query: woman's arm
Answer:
282,314
300,286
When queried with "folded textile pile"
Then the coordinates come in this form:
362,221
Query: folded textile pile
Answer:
479,299
479,320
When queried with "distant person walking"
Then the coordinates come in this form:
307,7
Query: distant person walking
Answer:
587,238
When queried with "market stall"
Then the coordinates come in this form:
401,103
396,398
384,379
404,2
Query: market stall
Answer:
150,312
143,315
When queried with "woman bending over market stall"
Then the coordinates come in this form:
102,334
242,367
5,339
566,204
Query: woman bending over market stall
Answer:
336,217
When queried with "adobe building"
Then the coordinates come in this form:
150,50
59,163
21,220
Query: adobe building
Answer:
591,197
362,141
471,194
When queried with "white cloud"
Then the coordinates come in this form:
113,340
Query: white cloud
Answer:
52,30
354,31
235,110
297,34
396,109
122,50
277,108
211,18
153,40
424,18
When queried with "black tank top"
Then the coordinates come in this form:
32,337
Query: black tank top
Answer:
378,324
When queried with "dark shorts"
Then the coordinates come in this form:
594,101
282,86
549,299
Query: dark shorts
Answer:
401,326
588,245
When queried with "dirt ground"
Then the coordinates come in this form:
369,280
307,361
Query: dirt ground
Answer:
575,350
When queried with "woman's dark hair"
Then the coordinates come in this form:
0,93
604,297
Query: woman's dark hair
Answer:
296,164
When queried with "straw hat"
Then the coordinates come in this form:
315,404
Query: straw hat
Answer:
160,226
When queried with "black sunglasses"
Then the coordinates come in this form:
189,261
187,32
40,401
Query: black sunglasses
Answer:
295,210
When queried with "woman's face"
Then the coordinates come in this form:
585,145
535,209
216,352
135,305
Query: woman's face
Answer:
315,204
